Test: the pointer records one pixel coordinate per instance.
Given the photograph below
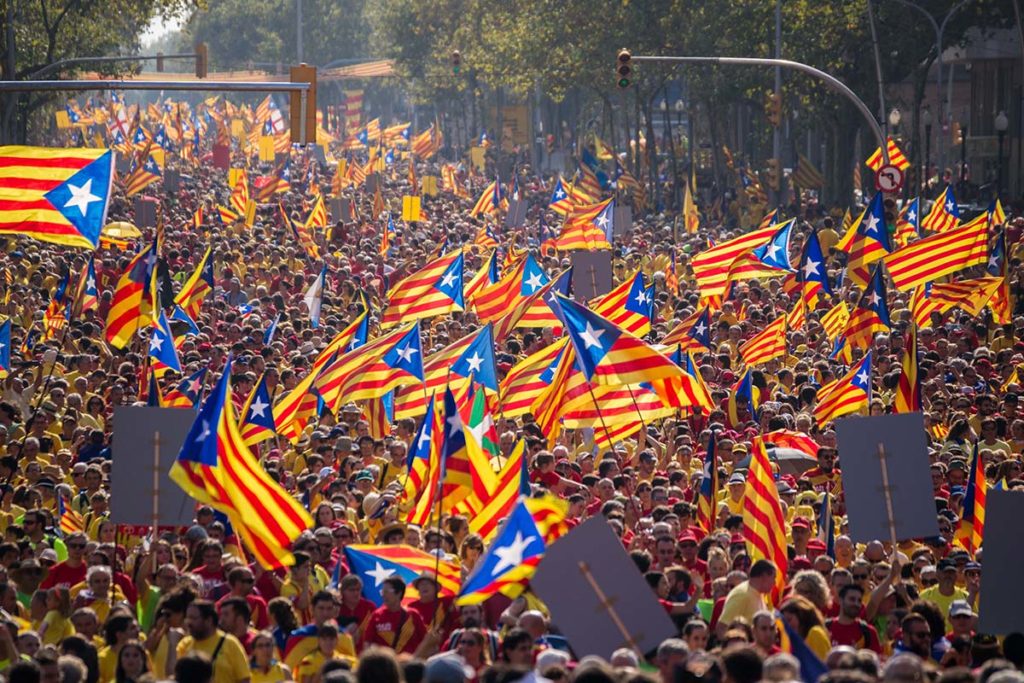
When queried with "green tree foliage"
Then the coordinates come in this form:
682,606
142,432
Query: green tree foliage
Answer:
37,33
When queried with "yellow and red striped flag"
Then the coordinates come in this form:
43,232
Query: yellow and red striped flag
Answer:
969,295
848,394
896,157
764,526
766,345
945,214
942,254
711,267
435,289
908,390
971,531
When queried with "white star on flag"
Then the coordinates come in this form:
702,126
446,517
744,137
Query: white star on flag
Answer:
206,431
590,336
448,280
811,267
407,353
156,342
699,328
534,282
512,555
863,378
258,408
475,361
950,206
872,223
455,425
379,574
911,216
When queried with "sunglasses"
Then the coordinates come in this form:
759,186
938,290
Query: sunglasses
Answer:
860,577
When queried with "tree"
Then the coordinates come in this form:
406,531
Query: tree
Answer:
38,33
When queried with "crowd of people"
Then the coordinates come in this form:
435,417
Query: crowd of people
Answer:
112,603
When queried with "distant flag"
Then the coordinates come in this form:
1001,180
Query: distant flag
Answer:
743,393
88,292
852,392
186,394
198,286
870,241
930,258
313,298
268,335
896,157
707,504
70,522
971,531
764,526
375,563
179,315
827,525
908,391
560,202
161,345
871,314
132,304
142,177
944,214
257,419
5,347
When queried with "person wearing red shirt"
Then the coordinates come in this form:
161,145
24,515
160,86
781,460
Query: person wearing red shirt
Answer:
355,610
241,582
848,628
826,477
688,554
72,570
393,625
437,612
211,572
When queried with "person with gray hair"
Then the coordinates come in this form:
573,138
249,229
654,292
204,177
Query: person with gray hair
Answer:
905,667
781,667
624,658
72,669
671,655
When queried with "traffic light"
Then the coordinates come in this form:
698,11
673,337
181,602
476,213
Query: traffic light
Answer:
774,174
456,62
160,62
303,74
773,108
624,67
202,60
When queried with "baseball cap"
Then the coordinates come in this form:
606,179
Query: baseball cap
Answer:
946,564
737,478
364,475
960,608
447,667
801,523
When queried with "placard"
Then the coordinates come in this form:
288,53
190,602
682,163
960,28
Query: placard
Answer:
515,217
145,212
410,208
428,185
591,274
1002,606
133,463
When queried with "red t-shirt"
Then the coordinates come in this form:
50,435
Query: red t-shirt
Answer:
213,581
385,628
63,575
258,608
854,634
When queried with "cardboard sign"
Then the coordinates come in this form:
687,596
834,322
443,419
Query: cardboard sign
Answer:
1002,606
62,119
345,212
222,157
583,578
266,148
428,185
371,182
145,212
515,217
623,219
122,163
233,176
172,180
410,208
334,206
319,154
133,462
237,128
902,439
591,274
477,157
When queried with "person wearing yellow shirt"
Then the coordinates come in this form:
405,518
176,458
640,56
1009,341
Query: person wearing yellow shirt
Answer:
304,580
945,592
226,654
263,667
734,497
119,629
326,645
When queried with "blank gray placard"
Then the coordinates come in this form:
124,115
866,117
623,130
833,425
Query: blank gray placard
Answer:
576,608
591,274
623,219
515,217
913,502
172,180
1002,603
131,478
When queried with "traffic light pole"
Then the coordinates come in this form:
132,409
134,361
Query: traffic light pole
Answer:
829,79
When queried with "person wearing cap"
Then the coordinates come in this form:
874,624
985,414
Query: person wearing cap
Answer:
945,592
800,529
392,625
963,619
736,485
448,667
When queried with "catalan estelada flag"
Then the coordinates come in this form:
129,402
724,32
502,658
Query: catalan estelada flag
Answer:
198,286
142,177
70,521
418,458
435,289
464,469
847,395
630,305
528,379
494,301
908,391
532,526
512,481
87,297
764,526
871,314
971,530
944,214
186,394
216,467
257,421
743,394
561,202
812,274
55,195
162,353
374,563
707,503
488,202
607,354
711,267
131,307
870,241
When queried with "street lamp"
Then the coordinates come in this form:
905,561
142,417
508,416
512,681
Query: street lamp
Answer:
679,106
926,118
1002,123
894,119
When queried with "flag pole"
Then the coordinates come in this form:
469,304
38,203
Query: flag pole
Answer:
156,485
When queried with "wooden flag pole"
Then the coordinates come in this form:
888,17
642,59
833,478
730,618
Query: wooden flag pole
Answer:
156,486
608,605
887,493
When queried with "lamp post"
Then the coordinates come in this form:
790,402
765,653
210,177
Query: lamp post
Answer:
963,158
1002,123
894,120
926,118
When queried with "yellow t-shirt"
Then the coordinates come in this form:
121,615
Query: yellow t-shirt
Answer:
819,641
943,601
58,627
309,667
230,665
742,601
275,674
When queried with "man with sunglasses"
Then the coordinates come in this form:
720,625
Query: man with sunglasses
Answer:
72,570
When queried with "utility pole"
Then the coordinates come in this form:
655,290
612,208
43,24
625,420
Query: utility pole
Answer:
777,131
878,65
298,31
